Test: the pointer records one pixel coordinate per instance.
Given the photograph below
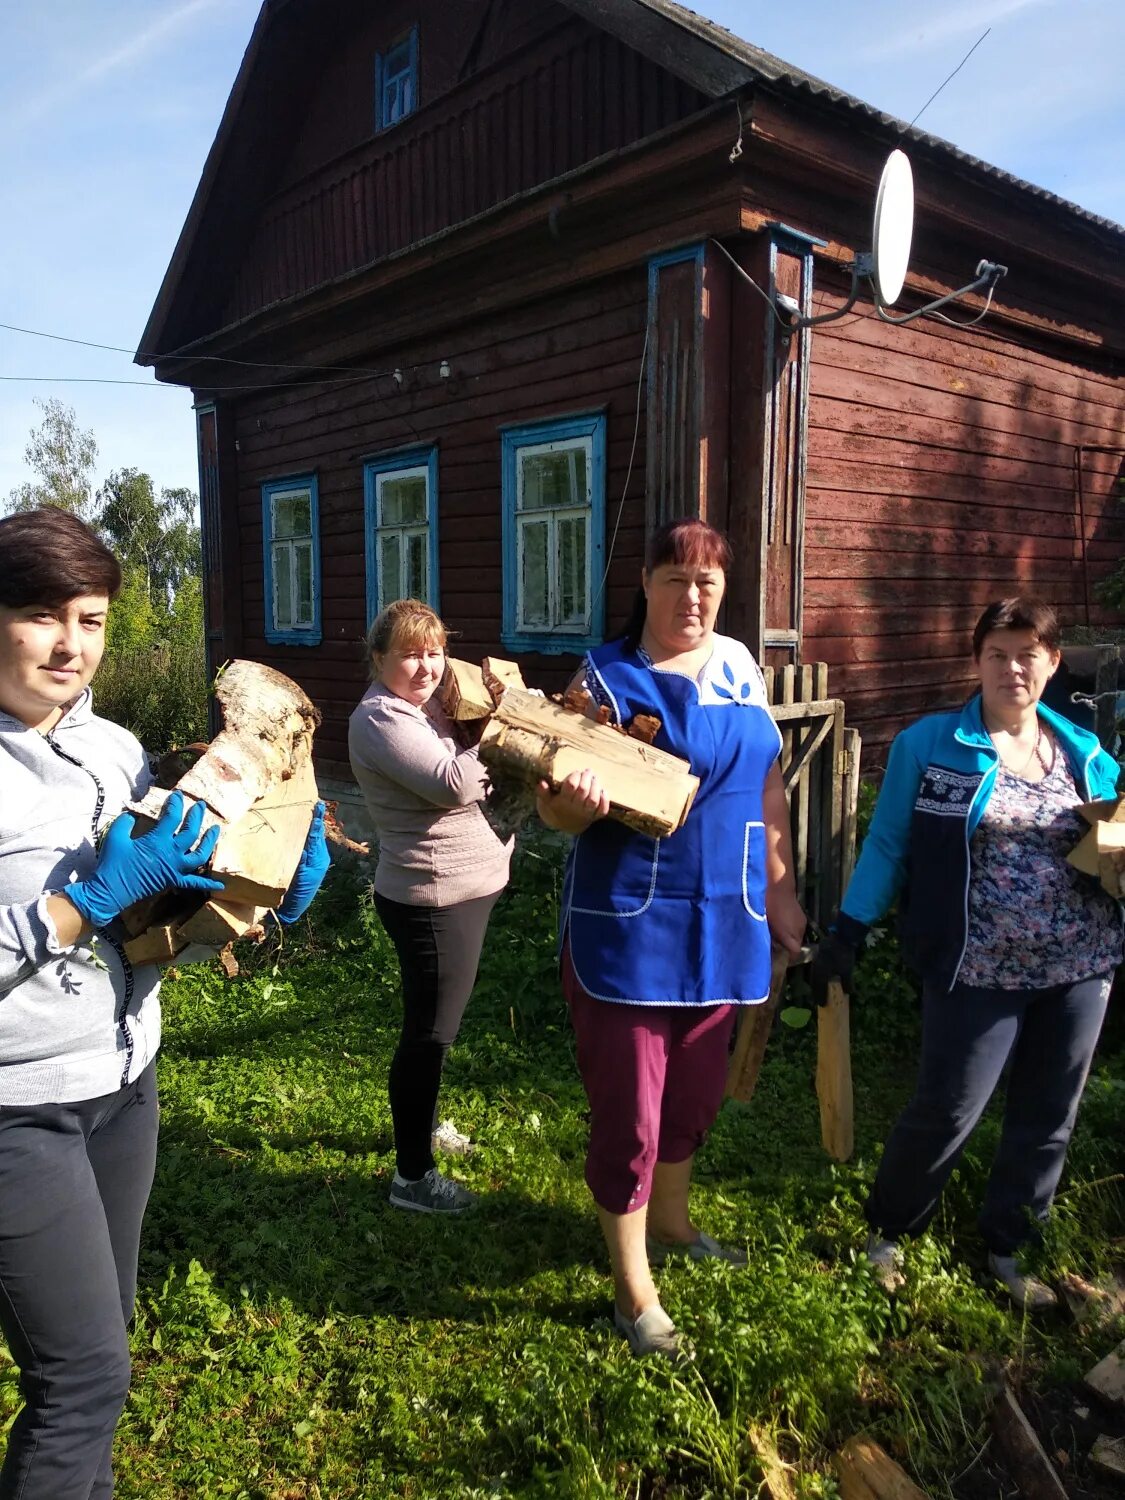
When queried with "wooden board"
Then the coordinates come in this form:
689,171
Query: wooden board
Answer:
1027,1462
1107,1378
531,739
834,1073
755,1023
866,1471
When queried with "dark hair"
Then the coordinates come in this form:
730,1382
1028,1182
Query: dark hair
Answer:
687,542
48,556
1021,612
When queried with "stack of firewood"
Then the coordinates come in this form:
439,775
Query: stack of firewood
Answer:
256,782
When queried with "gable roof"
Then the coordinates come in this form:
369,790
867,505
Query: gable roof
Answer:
698,51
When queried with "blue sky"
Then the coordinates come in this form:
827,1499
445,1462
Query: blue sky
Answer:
107,110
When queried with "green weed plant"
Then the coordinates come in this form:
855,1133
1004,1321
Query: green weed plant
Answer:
297,1339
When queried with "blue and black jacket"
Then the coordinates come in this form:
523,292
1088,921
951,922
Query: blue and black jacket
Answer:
940,776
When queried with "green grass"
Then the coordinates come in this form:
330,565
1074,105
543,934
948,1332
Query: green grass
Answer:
298,1338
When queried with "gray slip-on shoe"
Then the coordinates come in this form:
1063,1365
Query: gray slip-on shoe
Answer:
885,1259
652,1333
1025,1291
703,1248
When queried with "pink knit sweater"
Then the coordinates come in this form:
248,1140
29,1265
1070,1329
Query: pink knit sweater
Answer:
423,794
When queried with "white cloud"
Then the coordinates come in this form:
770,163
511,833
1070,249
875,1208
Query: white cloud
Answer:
962,22
61,92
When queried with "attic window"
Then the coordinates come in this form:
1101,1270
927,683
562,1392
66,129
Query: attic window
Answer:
396,82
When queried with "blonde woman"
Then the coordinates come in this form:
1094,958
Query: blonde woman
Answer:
440,871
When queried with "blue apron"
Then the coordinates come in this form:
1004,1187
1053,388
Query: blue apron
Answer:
680,920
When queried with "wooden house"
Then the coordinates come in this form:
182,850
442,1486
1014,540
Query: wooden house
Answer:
460,300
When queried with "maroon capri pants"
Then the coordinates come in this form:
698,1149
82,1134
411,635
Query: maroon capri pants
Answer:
654,1076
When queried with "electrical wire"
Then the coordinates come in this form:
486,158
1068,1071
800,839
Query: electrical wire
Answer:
956,70
765,296
967,322
628,471
221,359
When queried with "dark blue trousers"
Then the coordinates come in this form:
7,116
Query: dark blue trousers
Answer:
968,1036
74,1183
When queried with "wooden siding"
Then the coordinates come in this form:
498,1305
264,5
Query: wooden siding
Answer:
571,98
574,353
941,475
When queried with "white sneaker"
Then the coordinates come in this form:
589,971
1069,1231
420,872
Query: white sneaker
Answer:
1027,1292
885,1259
448,1139
653,1333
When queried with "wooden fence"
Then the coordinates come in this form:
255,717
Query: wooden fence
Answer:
820,768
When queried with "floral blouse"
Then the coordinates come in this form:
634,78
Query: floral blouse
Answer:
1034,920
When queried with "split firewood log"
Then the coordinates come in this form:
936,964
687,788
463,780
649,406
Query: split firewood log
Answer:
530,739
500,675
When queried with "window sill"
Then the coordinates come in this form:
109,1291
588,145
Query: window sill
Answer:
550,645
293,637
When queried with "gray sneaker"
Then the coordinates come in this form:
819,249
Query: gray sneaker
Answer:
703,1248
448,1139
432,1194
885,1259
1027,1292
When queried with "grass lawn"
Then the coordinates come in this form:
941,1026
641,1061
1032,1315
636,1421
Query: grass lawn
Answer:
298,1338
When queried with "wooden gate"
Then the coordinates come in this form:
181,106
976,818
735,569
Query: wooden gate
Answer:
820,769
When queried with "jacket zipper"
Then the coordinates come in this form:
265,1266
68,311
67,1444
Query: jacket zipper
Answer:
122,1019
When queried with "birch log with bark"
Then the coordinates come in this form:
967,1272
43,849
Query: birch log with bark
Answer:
531,739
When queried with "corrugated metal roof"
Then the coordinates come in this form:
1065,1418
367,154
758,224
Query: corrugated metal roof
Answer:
765,66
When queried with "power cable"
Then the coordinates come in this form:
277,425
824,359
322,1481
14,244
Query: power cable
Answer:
222,359
956,70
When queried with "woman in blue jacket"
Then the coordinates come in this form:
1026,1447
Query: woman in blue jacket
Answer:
1015,948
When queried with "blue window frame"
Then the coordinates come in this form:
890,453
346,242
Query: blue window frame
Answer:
400,506
291,543
396,82
553,488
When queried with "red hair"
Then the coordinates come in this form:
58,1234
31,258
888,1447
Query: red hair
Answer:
688,543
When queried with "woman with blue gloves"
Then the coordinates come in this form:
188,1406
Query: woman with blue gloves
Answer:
1015,948
79,1024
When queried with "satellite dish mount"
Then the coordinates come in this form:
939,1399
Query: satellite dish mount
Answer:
886,265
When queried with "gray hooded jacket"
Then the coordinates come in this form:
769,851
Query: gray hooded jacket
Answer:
77,1022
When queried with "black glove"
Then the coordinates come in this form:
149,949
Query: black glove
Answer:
834,958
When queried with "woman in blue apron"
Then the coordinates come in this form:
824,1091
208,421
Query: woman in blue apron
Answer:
663,938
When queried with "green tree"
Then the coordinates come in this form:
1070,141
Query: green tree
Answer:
63,455
153,536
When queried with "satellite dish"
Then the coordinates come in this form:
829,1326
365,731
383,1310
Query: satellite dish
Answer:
894,226
887,264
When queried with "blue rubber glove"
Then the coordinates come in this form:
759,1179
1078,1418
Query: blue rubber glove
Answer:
167,857
310,872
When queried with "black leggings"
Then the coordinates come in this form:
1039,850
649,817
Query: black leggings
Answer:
439,951
74,1182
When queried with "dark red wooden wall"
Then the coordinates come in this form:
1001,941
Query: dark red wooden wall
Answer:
551,106
940,477
575,352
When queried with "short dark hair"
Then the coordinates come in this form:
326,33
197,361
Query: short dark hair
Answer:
48,556
1021,612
